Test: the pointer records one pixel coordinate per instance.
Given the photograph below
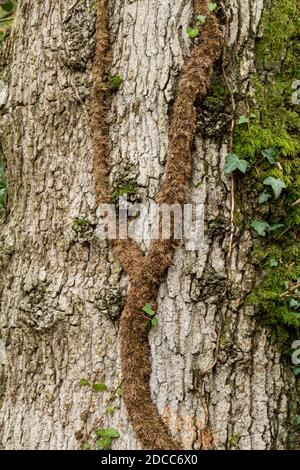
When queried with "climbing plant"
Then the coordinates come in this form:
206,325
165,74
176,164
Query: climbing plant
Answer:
147,272
267,139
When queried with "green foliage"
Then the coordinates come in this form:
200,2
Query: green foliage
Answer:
2,190
296,370
126,189
99,387
79,223
151,314
271,143
264,197
233,162
262,228
111,409
212,6
234,440
115,82
243,120
86,446
106,436
270,154
193,32
7,10
276,184
84,382
201,19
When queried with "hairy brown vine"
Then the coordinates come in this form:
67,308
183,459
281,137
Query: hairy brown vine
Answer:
147,272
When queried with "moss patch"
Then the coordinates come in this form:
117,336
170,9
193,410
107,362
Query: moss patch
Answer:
276,125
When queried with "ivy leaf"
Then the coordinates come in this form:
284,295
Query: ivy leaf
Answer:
264,197
104,443
233,162
107,432
273,228
193,32
201,19
84,382
276,184
111,409
270,154
212,6
99,387
293,303
149,310
86,446
296,370
154,321
243,120
260,227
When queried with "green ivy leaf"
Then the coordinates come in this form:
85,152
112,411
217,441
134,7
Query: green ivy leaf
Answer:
149,310
293,303
296,370
243,120
276,184
273,228
104,443
84,382
193,32
270,154
260,227
212,6
111,409
154,322
99,387
86,446
201,19
233,162
107,432
264,197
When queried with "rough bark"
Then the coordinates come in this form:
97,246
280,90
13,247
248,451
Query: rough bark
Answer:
215,374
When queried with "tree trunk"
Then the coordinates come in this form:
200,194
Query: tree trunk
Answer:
217,379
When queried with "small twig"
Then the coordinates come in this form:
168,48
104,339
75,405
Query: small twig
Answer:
296,203
288,292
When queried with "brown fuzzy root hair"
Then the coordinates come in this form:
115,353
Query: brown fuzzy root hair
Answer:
147,272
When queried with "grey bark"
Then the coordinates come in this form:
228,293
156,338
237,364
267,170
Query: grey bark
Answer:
214,368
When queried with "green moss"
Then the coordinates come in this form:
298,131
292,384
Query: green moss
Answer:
277,125
126,189
234,440
219,94
78,223
115,82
